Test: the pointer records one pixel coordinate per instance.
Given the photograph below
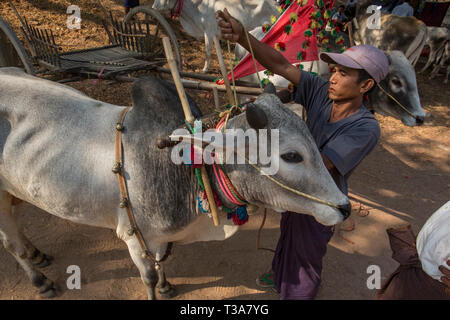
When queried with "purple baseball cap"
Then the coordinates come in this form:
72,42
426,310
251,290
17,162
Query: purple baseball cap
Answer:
366,57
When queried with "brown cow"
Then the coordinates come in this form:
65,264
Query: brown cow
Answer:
406,34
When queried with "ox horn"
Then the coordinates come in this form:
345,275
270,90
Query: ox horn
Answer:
256,117
270,88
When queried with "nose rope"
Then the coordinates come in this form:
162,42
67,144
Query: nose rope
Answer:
398,102
282,185
253,56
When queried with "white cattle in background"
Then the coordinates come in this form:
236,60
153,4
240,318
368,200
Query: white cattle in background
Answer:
198,17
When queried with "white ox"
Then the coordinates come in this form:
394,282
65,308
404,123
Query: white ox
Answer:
198,17
57,149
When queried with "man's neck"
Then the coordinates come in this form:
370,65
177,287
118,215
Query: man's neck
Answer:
341,110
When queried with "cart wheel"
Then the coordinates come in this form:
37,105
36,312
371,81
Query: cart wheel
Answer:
156,27
12,53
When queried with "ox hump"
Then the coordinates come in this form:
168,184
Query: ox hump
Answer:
158,97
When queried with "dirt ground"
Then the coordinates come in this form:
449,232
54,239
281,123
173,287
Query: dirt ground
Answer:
404,180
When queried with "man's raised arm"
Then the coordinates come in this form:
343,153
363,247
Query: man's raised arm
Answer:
267,56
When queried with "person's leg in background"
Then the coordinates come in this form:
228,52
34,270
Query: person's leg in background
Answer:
128,4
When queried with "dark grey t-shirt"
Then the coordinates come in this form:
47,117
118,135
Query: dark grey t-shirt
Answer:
345,142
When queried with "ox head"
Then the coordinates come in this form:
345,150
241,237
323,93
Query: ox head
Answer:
298,162
402,85
162,5
288,154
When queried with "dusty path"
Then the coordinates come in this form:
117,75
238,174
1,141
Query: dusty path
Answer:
404,180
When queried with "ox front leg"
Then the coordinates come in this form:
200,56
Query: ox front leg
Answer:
165,289
22,250
208,44
146,267
37,258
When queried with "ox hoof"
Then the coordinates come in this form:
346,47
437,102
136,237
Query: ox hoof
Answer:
45,262
41,260
47,290
168,291
51,293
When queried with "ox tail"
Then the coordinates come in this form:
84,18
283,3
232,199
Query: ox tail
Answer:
416,47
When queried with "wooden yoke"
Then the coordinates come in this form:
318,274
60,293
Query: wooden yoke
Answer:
190,119
177,79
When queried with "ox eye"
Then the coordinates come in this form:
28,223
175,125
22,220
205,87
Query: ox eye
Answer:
292,157
396,82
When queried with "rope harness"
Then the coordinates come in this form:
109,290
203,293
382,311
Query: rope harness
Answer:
118,169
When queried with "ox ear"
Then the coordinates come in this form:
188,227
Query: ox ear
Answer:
256,117
270,88
285,96
388,56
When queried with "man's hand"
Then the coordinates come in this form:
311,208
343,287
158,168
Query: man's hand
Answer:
230,28
446,278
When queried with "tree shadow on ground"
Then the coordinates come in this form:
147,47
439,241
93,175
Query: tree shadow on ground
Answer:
395,179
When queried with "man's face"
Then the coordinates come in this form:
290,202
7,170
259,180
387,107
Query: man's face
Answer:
341,9
344,84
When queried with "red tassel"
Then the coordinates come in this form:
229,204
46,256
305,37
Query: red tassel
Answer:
196,159
238,222
217,200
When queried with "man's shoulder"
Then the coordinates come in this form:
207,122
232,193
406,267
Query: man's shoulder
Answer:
312,91
313,84
368,122
364,122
